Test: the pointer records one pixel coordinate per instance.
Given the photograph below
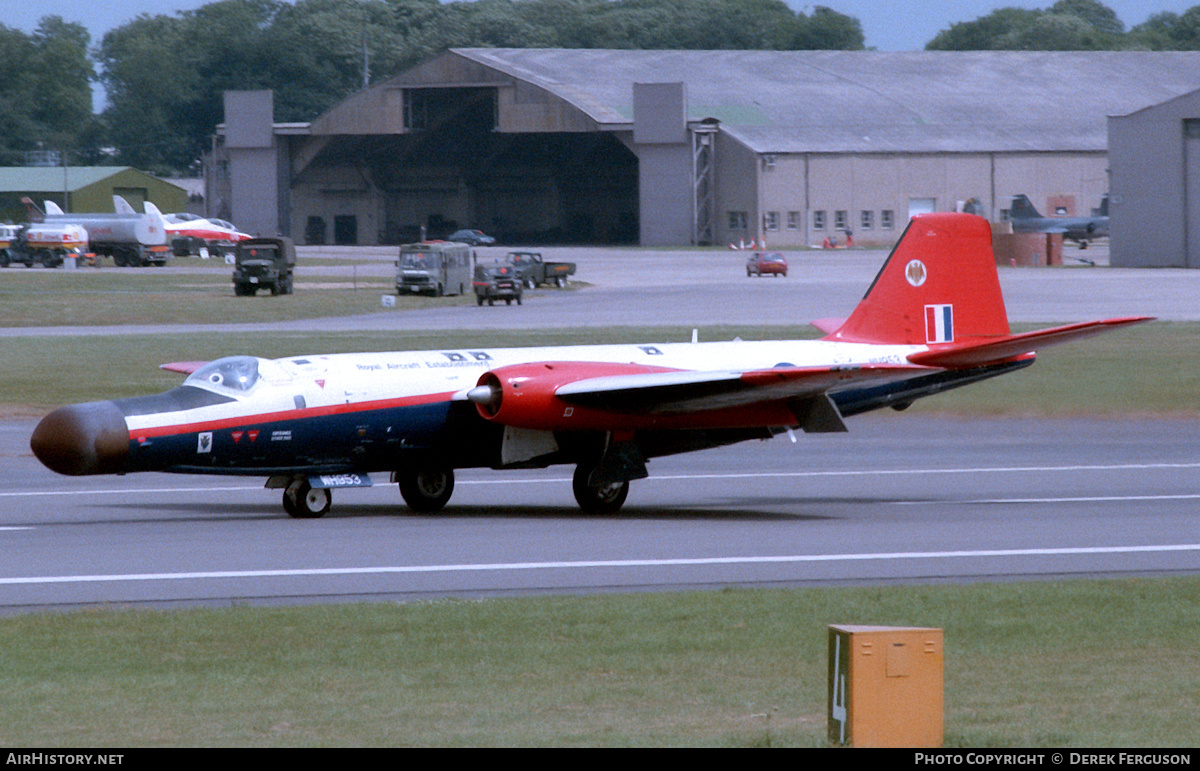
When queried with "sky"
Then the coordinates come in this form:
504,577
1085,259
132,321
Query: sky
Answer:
887,25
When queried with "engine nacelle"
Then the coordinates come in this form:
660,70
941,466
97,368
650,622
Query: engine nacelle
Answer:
524,396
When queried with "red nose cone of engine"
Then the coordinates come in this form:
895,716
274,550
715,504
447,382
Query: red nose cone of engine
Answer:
82,439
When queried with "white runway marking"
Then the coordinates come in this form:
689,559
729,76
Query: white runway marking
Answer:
592,564
510,479
1065,499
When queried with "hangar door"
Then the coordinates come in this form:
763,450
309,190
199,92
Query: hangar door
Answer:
1191,193
452,169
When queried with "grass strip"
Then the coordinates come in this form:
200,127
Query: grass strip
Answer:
1041,664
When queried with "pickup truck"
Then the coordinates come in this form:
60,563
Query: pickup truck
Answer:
534,271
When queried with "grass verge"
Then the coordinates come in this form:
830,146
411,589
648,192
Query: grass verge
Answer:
43,298
1045,664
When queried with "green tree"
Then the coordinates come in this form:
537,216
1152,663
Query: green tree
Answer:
1068,25
1097,15
982,34
45,89
827,29
151,76
165,74
1056,32
1169,31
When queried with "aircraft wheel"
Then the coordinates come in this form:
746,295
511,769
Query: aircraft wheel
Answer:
303,501
605,499
426,489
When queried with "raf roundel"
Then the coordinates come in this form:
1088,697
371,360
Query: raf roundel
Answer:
915,272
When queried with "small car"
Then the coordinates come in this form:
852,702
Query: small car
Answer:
472,237
763,263
497,282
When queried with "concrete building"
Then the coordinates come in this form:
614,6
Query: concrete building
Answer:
1155,202
686,147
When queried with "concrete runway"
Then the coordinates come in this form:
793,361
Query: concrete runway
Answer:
646,287
901,498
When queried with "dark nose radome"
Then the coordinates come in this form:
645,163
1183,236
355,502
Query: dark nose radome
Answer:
82,439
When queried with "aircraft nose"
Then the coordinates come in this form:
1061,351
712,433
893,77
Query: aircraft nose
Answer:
82,439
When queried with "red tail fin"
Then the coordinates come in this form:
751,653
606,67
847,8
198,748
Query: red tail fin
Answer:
939,285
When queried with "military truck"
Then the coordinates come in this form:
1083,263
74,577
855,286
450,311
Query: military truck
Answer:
497,281
264,263
534,271
434,268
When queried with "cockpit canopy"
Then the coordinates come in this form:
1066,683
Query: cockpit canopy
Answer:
234,373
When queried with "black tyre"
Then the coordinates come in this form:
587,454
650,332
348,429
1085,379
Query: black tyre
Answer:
603,500
426,489
303,501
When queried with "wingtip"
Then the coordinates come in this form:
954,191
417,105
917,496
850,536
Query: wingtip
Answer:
186,367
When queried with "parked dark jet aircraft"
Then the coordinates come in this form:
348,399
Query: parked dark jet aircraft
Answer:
1026,219
933,320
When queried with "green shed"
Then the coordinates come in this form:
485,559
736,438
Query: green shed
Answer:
84,189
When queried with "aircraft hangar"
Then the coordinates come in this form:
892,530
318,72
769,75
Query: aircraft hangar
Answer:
686,147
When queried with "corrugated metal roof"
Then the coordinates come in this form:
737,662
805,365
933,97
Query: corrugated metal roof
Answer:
867,101
49,179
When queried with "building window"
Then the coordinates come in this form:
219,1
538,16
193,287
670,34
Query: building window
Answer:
887,219
867,221
819,220
793,221
771,221
737,220
840,220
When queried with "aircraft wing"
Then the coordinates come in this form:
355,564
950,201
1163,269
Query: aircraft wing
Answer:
607,397
664,393
973,353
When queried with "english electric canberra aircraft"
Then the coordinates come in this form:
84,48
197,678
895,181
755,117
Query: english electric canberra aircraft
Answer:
933,320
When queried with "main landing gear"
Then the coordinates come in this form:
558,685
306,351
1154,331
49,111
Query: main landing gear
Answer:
604,499
428,490
425,490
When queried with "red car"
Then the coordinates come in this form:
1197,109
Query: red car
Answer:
762,263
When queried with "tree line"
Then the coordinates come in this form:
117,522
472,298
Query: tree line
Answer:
163,75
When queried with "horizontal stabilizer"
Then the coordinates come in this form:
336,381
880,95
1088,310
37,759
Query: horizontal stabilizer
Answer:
975,353
828,325
682,392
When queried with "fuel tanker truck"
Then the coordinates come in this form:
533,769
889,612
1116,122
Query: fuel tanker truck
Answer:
132,240
41,244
